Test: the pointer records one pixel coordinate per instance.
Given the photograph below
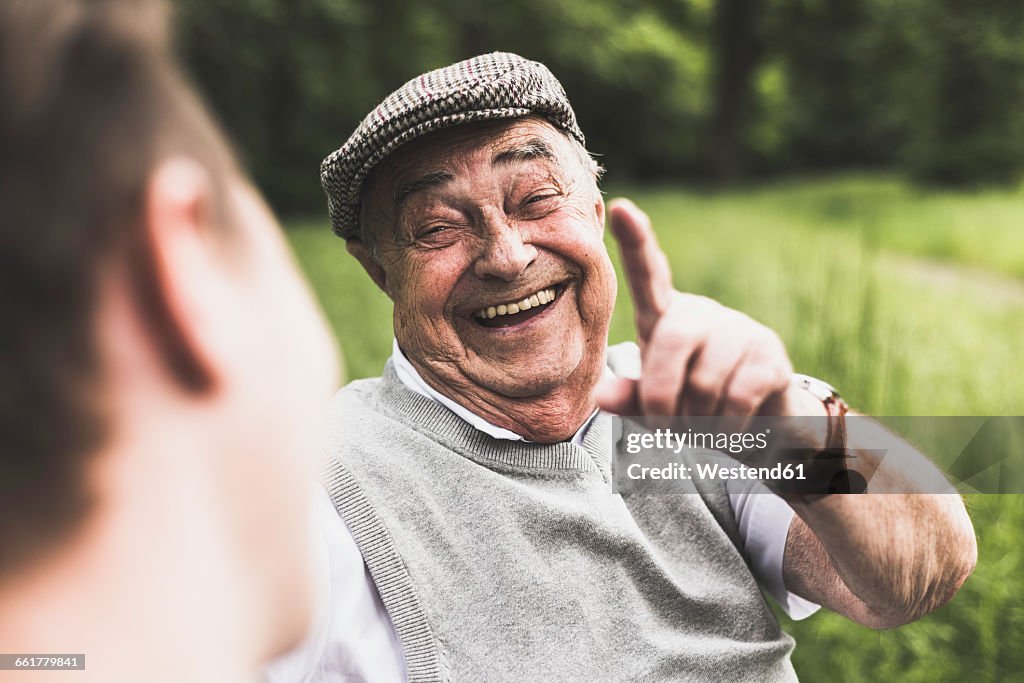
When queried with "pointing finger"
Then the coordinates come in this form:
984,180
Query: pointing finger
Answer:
647,269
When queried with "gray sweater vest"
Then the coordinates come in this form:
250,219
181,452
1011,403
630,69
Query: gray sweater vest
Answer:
510,561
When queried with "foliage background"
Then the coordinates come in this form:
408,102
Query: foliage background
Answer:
846,171
710,91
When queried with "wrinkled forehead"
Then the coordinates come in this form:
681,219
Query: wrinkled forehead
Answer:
456,151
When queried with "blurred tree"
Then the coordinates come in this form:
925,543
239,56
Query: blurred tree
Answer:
838,59
736,48
967,94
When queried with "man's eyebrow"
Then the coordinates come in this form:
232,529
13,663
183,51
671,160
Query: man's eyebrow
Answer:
535,148
429,180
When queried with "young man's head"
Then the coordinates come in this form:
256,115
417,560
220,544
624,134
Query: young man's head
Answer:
162,363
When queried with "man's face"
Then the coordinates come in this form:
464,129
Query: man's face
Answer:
490,238
282,371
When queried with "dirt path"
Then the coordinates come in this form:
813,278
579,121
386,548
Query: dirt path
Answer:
994,288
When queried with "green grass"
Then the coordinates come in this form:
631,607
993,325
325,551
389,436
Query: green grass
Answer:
979,228
911,302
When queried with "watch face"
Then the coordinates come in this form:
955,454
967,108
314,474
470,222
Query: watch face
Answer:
819,389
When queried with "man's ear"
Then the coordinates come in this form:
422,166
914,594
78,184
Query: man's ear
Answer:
369,262
176,280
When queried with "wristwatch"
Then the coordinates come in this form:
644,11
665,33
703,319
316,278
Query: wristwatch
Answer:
820,389
835,406
832,474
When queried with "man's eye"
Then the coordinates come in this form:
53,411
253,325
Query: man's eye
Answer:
433,230
537,198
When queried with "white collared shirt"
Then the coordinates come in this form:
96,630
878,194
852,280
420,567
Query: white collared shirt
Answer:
353,637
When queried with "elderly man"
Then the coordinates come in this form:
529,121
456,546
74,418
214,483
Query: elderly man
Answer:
474,475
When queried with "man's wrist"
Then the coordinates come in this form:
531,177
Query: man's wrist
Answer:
835,410
798,403
826,439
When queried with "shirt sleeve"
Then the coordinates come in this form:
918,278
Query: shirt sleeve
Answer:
763,519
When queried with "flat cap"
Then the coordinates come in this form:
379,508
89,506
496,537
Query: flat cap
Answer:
499,85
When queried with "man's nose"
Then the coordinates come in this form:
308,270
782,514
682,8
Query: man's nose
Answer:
505,254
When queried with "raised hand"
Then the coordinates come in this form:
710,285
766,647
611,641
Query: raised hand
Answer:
700,358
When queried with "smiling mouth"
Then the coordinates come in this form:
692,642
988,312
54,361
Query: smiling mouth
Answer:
515,312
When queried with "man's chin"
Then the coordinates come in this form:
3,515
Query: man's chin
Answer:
524,375
512,385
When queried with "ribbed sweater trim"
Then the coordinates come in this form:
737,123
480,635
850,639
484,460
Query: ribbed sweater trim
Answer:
440,424
423,657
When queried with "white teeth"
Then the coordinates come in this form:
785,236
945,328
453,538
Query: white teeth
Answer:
544,296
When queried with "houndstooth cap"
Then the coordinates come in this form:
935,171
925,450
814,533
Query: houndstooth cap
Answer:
499,85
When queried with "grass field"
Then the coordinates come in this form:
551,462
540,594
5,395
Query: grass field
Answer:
910,301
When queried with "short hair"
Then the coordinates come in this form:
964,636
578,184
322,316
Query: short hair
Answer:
368,236
92,101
